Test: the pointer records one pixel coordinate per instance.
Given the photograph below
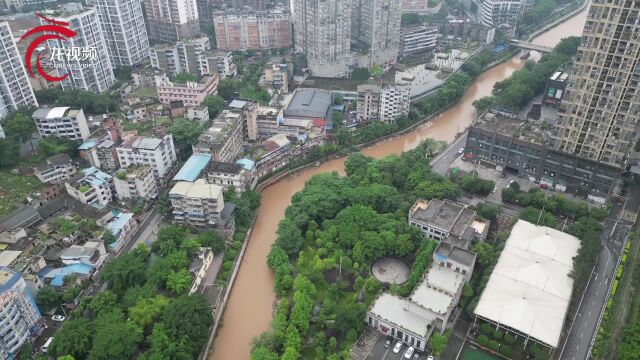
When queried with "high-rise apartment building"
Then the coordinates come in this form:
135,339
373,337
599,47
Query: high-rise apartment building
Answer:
124,30
98,77
502,13
187,56
172,20
375,29
368,106
323,35
246,30
15,89
415,6
18,313
599,117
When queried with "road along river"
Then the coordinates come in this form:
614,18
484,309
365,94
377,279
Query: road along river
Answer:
249,309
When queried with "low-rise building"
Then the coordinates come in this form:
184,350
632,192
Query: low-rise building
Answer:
55,170
122,226
419,38
310,104
100,153
223,140
135,182
227,175
196,203
276,77
199,114
448,221
430,305
159,153
62,122
18,312
248,110
555,89
91,187
368,106
276,154
250,168
395,100
466,30
91,253
221,62
191,93
526,148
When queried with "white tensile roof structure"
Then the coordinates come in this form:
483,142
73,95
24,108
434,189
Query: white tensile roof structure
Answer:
530,288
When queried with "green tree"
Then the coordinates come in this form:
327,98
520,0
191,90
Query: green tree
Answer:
483,104
179,282
215,104
360,74
9,152
185,133
227,89
26,351
115,337
147,310
19,126
124,272
53,145
211,239
438,343
122,73
74,338
485,253
103,302
187,319
48,298
185,77
164,347
377,71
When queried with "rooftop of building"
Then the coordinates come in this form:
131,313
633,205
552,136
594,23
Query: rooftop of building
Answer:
59,160
198,189
448,215
455,253
225,167
559,76
248,164
368,88
135,171
397,310
219,129
193,167
55,112
518,128
275,142
313,103
118,222
438,288
6,277
135,141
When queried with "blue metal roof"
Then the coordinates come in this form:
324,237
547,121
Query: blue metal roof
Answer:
83,269
193,167
248,164
116,225
88,144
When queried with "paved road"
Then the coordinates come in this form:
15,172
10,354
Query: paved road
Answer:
147,232
443,161
582,331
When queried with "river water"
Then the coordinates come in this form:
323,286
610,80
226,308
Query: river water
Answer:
250,306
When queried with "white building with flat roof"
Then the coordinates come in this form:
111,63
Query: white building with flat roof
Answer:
430,305
529,290
158,153
196,203
55,170
135,182
63,122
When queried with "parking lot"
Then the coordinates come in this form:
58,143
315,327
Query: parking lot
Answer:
378,351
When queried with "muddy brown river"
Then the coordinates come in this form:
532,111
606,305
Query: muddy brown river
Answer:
249,310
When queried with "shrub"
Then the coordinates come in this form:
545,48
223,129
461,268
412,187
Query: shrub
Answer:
510,339
498,334
483,340
494,345
506,350
486,329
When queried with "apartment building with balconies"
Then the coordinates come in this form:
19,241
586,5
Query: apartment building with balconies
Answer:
191,93
135,182
18,313
91,187
158,153
63,122
197,203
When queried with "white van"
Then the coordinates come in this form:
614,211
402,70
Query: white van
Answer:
46,345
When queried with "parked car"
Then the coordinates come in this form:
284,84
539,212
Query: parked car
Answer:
416,356
387,343
396,349
461,150
58,318
430,357
409,352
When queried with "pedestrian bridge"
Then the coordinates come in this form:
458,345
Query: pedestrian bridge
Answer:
530,46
